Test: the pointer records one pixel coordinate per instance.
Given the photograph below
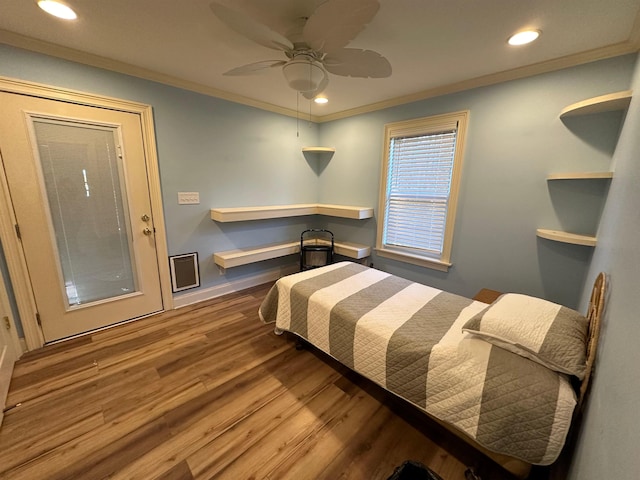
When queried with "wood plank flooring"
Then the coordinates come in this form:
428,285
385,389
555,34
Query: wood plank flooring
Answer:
204,392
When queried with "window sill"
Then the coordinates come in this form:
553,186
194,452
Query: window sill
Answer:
414,259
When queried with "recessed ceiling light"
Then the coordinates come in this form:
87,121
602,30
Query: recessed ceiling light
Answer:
321,99
524,37
57,9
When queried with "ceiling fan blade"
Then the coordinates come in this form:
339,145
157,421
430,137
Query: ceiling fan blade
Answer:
336,22
355,62
250,28
255,68
323,84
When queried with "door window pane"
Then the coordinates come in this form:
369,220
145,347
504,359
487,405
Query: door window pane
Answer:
85,189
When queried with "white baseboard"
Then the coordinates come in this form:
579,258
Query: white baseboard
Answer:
234,286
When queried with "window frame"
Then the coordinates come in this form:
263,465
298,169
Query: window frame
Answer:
415,127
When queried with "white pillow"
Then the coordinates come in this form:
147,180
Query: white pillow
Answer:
550,334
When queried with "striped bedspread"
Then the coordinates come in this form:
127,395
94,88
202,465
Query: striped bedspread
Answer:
407,338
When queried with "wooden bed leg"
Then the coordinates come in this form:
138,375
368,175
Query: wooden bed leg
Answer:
300,345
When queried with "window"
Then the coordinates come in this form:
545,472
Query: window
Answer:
419,189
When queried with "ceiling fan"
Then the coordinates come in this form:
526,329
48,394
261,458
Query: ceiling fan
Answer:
314,45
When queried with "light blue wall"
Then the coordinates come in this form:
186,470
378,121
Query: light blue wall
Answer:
515,139
608,446
236,155
232,154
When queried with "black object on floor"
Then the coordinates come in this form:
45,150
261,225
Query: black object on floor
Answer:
412,470
316,249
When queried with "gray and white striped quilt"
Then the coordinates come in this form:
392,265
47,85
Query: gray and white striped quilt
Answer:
408,338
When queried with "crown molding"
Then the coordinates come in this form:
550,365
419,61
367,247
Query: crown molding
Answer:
494,78
65,53
632,45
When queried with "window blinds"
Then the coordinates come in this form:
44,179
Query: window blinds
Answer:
418,186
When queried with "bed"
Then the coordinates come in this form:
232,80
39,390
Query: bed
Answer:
502,376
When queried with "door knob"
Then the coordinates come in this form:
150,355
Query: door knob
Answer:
147,231
145,218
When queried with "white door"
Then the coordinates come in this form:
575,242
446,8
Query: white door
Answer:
78,183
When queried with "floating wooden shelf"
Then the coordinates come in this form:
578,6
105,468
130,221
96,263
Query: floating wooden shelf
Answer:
235,258
351,250
565,237
244,256
240,214
580,176
318,149
604,103
344,211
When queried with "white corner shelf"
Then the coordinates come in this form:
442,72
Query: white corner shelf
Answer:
245,256
344,211
351,250
603,103
566,237
580,176
241,214
318,150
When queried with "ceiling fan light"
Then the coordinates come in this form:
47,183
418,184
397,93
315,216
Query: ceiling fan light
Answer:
303,74
321,100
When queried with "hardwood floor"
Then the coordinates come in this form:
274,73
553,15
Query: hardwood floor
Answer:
208,391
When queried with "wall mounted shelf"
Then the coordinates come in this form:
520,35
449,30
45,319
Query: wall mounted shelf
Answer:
241,214
235,258
245,256
566,237
603,103
318,150
580,176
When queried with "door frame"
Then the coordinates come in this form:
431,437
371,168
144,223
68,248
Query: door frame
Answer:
16,263
10,348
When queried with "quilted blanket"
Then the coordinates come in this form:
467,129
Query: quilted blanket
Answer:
407,337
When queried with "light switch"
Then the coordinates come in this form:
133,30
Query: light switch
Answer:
188,198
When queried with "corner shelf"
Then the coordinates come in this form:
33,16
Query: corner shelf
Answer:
318,149
580,176
245,256
603,103
241,214
566,237
344,211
